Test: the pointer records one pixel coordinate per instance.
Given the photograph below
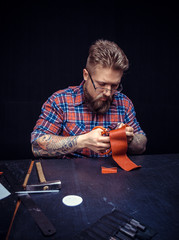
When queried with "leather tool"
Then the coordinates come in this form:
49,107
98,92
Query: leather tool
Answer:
117,226
47,185
53,186
43,186
42,221
119,145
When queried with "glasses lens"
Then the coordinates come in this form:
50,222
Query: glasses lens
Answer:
113,91
99,90
120,88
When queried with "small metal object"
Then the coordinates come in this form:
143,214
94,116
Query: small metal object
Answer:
130,227
130,220
127,232
137,224
52,185
36,191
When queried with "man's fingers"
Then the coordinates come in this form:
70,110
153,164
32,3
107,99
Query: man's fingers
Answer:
103,146
104,139
119,125
104,149
129,134
129,129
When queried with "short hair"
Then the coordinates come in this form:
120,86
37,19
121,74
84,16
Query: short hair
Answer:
107,54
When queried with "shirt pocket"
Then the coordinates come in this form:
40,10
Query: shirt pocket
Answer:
73,129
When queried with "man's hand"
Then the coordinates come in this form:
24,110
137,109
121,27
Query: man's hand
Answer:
136,142
95,141
129,132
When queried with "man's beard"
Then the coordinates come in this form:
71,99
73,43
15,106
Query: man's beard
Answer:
95,104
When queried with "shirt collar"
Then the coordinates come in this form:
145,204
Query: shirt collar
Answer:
79,98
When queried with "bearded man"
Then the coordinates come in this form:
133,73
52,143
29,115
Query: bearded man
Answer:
65,127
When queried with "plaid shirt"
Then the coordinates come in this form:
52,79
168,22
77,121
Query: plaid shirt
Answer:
66,114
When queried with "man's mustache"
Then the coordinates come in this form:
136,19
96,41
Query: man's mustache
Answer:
100,96
97,97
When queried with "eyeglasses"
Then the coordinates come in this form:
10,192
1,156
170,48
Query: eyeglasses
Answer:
101,89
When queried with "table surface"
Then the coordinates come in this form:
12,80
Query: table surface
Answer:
149,194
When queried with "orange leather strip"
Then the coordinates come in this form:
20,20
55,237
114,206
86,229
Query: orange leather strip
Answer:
118,140
105,170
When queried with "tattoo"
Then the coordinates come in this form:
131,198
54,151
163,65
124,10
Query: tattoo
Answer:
138,144
53,146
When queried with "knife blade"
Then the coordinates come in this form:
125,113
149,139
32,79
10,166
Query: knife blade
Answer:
37,191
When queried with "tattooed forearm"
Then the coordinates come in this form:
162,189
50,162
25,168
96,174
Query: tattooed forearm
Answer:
52,146
138,144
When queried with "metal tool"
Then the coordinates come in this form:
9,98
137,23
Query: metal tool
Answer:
42,187
50,185
106,220
46,185
36,191
123,226
42,221
130,220
116,226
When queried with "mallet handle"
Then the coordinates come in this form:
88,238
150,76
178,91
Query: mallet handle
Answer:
40,172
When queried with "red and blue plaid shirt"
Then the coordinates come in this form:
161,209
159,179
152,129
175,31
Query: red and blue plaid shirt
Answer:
66,114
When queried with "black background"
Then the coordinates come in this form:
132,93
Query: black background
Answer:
44,46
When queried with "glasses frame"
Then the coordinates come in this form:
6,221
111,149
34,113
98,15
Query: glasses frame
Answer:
114,91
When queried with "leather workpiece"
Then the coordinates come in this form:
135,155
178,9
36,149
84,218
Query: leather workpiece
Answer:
119,145
105,170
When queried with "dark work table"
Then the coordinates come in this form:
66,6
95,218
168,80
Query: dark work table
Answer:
149,194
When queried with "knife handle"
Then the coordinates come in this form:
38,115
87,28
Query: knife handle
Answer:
40,172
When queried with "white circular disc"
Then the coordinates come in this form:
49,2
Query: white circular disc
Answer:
72,200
